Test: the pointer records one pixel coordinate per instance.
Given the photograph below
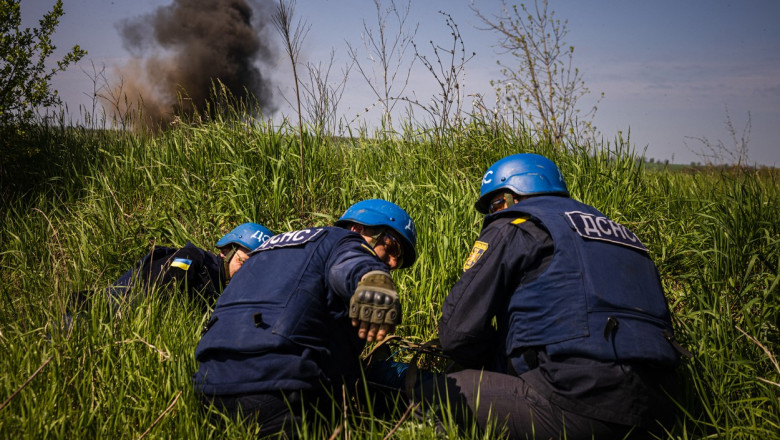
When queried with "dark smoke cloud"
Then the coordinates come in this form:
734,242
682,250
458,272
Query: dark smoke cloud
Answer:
180,49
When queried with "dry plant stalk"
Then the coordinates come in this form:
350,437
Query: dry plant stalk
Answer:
293,41
29,379
164,355
167,410
406,413
768,353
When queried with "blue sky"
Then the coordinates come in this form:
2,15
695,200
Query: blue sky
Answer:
668,69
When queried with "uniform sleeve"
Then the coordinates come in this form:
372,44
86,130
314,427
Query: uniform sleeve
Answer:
502,256
184,269
350,259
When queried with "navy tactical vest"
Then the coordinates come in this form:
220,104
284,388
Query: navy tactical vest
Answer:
600,298
282,321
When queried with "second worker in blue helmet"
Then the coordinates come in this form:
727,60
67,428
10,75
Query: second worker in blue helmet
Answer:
200,273
559,317
289,329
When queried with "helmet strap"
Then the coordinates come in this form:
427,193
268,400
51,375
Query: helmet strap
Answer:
365,231
509,198
231,252
375,237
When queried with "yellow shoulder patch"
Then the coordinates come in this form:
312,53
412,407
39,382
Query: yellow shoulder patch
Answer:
519,220
476,253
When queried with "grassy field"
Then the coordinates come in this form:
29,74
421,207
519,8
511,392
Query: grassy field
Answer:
80,206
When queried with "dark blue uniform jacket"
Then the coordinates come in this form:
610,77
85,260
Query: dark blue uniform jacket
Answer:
282,322
579,309
198,272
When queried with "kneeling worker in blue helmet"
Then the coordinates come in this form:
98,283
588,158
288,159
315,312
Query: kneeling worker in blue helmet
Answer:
200,273
582,346
289,329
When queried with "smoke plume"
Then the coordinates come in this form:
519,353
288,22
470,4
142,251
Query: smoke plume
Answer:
179,51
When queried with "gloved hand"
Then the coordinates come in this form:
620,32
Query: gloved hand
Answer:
374,305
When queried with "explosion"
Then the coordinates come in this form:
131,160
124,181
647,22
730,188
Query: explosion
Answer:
181,51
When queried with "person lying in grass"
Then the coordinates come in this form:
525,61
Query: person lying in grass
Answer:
198,272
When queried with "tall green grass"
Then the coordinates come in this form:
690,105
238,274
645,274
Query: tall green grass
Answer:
93,202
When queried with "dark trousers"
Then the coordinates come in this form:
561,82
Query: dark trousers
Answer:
498,401
278,414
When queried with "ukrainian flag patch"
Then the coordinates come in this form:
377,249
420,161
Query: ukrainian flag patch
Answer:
476,253
181,263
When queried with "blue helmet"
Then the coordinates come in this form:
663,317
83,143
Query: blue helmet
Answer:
378,212
523,174
248,235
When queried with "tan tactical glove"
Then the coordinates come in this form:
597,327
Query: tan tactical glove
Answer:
376,300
